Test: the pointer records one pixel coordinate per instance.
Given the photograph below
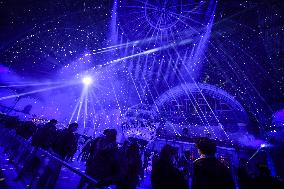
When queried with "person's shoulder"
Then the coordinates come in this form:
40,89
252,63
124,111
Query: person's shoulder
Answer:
98,139
206,161
199,161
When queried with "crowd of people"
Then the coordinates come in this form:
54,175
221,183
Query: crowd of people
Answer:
123,166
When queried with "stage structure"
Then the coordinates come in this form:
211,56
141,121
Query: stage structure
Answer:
188,111
202,109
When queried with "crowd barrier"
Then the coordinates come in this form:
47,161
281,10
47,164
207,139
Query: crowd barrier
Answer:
38,168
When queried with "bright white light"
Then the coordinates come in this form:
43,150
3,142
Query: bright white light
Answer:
87,80
263,145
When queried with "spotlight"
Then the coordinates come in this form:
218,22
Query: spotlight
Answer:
87,80
266,145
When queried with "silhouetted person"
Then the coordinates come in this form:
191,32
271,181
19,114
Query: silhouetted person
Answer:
27,109
65,144
103,164
164,174
155,158
92,150
11,122
131,166
146,159
244,179
210,173
26,129
44,136
264,180
186,164
86,150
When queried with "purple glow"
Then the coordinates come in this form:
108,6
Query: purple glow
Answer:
138,53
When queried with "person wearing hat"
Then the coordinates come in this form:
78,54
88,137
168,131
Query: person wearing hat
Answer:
209,172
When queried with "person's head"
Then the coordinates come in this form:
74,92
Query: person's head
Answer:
125,144
168,153
51,125
187,154
73,127
53,121
133,148
263,169
185,131
243,162
110,134
206,146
